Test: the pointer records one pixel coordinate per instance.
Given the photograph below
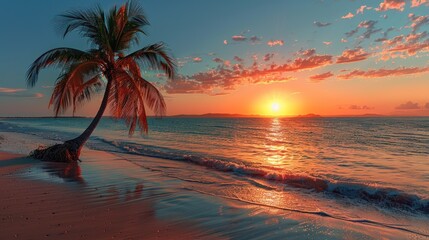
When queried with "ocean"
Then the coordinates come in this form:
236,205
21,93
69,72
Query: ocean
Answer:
362,170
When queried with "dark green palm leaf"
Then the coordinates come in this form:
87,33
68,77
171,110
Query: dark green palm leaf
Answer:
60,57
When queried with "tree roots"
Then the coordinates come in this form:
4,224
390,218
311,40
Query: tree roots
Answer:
65,152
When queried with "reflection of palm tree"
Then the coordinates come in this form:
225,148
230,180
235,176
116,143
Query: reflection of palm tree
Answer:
86,72
69,171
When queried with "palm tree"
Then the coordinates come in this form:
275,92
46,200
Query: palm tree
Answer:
105,66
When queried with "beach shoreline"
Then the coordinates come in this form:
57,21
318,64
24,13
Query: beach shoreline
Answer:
108,196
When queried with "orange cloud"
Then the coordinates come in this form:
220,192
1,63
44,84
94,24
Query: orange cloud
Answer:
391,4
382,72
273,43
404,46
416,3
353,55
348,16
228,76
321,77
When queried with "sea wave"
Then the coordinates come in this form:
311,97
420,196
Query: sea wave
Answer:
385,197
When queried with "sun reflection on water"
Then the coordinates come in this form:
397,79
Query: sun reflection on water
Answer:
275,148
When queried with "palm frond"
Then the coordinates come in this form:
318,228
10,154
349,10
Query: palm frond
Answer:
84,91
69,83
127,102
124,25
154,56
152,96
90,24
57,57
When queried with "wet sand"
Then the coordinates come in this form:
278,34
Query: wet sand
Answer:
35,209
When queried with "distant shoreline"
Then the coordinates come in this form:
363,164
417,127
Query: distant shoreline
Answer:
221,115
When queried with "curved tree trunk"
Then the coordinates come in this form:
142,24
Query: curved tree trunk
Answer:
77,143
69,151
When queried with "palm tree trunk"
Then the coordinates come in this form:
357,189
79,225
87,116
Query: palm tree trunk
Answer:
75,145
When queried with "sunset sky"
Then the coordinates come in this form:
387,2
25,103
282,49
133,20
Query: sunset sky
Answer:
327,57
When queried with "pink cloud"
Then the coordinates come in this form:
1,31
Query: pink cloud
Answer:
321,77
382,72
273,43
38,95
353,55
348,16
239,38
362,8
391,5
327,43
11,90
18,92
197,59
225,42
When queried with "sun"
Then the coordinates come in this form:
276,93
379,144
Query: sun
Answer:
275,107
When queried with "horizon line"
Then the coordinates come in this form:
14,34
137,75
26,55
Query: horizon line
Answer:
238,115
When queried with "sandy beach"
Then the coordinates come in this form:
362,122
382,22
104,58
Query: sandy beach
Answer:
37,210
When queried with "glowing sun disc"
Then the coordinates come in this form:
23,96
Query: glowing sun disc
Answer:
275,107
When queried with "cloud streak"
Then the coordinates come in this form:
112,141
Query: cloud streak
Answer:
321,77
11,90
239,38
321,24
353,55
408,106
383,72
